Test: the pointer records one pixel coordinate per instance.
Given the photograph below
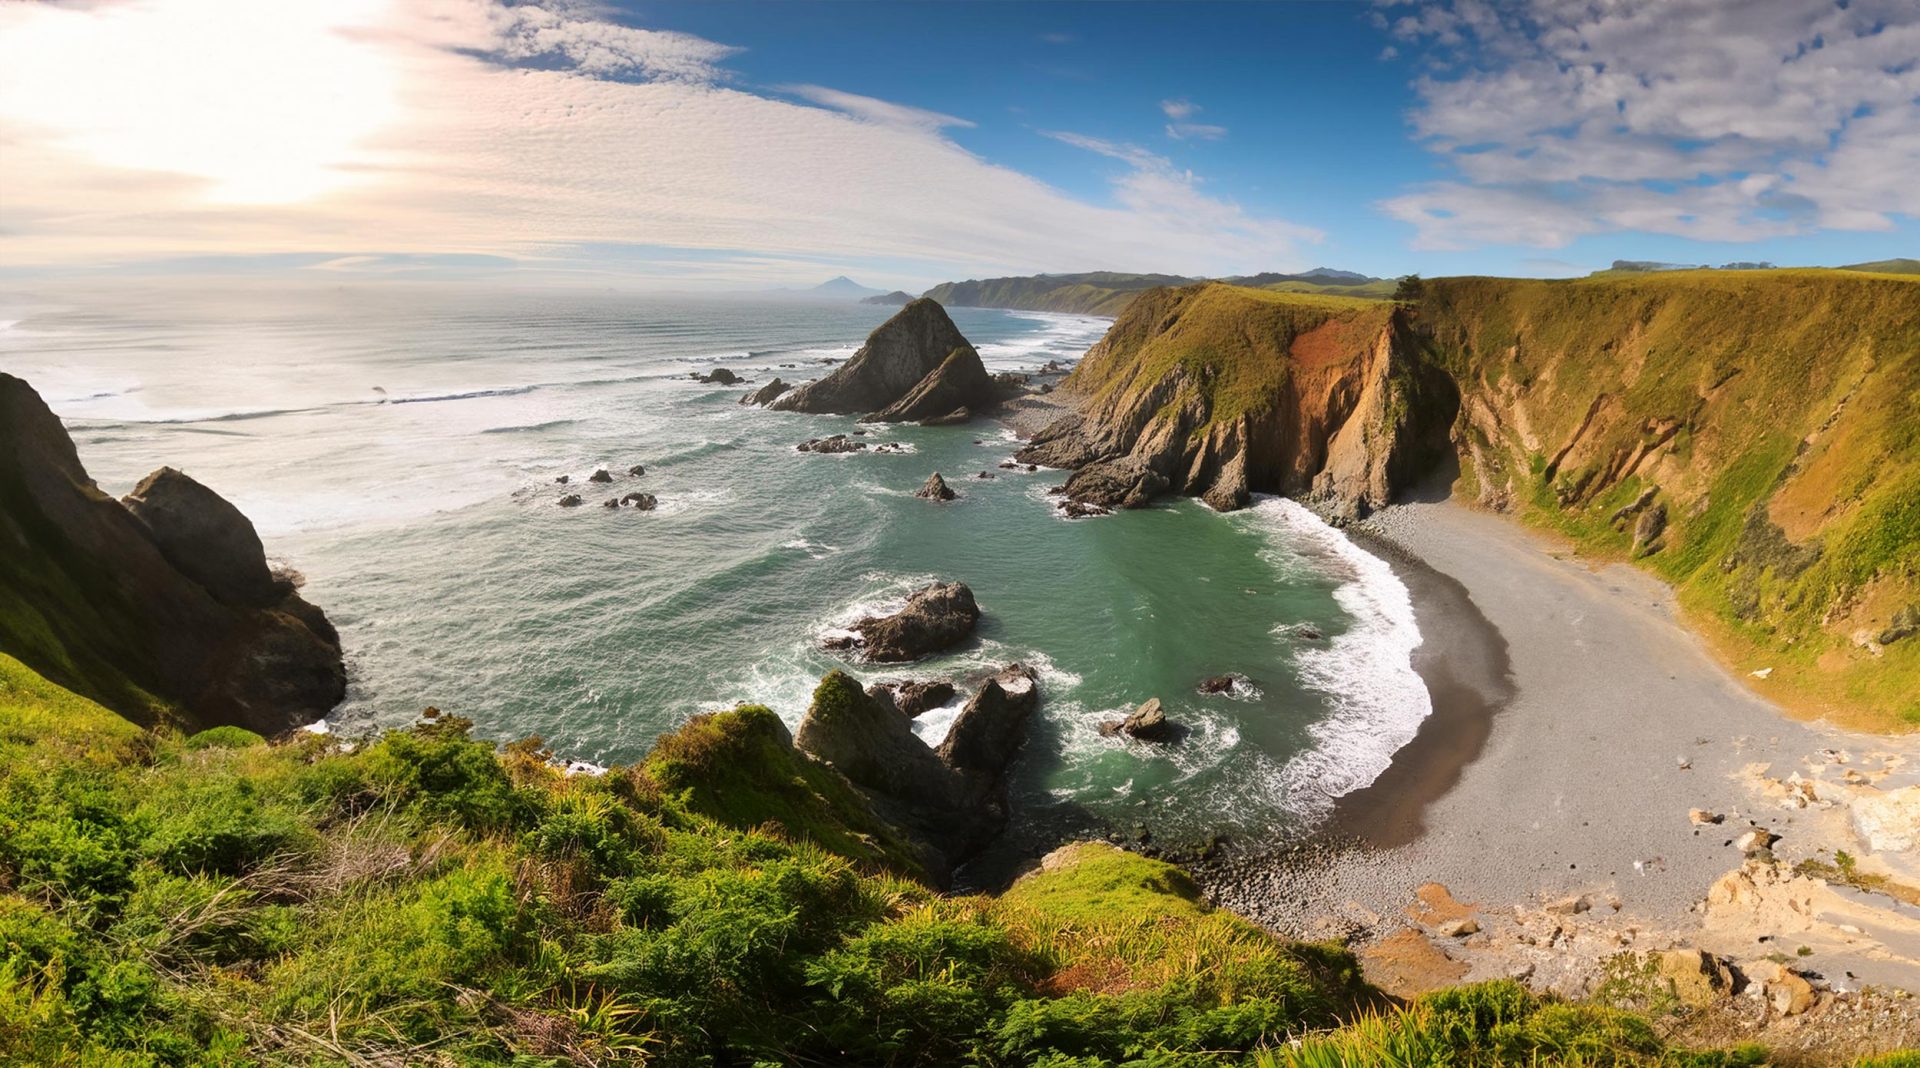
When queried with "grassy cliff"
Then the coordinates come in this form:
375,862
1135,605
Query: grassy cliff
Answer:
422,898
1751,436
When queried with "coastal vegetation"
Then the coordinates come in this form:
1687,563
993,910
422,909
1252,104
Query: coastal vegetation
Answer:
1109,292
421,897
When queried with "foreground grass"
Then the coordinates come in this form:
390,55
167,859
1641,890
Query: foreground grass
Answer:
421,898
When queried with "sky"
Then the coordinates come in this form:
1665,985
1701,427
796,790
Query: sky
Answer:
736,144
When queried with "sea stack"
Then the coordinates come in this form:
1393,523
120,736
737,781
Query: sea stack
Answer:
161,607
912,364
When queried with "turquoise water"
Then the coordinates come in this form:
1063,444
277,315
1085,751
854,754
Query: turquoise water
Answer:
400,449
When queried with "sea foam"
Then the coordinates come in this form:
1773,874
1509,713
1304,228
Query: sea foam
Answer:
1376,700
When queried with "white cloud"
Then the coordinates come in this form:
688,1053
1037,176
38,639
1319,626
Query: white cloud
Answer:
1181,130
528,132
1697,118
882,112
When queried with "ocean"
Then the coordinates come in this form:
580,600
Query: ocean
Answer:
399,447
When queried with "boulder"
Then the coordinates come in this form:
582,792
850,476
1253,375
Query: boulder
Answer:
911,697
936,489
1905,623
162,601
1570,906
958,385
1700,817
1888,821
571,500
637,470
610,502
1121,483
564,479
766,394
1460,928
935,618
897,357
645,502
1078,510
1697,979
1755,840
719,376
204,537
836,443
601,475
1220,684
990,729
1647,531
1148,723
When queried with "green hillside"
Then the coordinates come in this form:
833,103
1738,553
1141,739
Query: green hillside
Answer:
1897,266
1109,292
1769,415
423,898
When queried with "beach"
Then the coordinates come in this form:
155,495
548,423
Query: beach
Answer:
1577,723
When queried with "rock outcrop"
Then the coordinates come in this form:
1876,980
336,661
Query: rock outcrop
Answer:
719,376
911,697
1220,393
954,799
935,489
160,607
916,365
765,394
1149,723
934,618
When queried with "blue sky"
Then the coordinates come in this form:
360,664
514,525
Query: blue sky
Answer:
741,144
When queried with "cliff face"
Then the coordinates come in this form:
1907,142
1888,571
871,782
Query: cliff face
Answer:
159,607
1753,437
1220,392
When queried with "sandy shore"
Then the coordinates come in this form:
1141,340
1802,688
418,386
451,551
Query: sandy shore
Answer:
1576,724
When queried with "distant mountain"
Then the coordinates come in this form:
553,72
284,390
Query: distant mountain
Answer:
1109,292
895,299
1899,266
840,288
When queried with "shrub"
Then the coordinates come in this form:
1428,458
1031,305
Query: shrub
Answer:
227,737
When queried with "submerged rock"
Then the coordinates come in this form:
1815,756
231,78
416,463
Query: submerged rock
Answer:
936,489
571,500
601,475
766,394
645,502
1148,723
912,697
719,376
935,618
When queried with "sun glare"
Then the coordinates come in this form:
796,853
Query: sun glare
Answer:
270,102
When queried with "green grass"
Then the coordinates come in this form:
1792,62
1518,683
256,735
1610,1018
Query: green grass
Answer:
420,897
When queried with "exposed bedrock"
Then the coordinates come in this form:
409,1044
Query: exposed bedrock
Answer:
1185,395
953,799
161,606
934,618
915,366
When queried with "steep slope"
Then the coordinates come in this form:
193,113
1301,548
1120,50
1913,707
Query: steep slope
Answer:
1223,391
157,607
1752,436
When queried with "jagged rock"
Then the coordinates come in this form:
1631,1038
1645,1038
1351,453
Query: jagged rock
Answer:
1905,624
1700,817
986,475
601,475
719,376
953,801
911,697
1755,840
1460,928
934,618
936,489
836,443
1647,531
166,596
958,385
952,418
1122,483
571,500
637,470
610,502
1788,993
205,537
987,733
1148,723
765,394
1078,510
897,357
1569,906
645,502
